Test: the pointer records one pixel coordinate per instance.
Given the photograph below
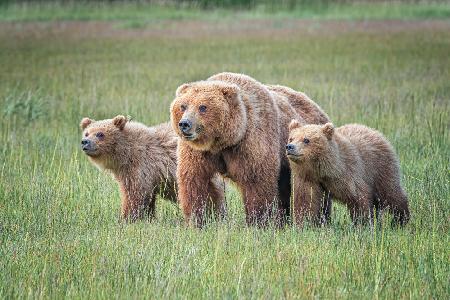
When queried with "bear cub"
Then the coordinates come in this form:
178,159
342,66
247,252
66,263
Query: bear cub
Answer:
142,159
354,163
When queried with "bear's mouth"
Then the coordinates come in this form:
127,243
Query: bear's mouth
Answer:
293,156
89,151
189,136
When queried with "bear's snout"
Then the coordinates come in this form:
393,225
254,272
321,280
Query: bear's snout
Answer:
185,125
290,148
86,144
293,152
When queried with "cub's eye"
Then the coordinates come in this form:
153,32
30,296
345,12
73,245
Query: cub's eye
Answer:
202,108
86,134
306,141
183,107
100,135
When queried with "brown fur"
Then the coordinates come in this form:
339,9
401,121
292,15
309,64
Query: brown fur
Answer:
354,163
241,135
142,159
308,110
308,113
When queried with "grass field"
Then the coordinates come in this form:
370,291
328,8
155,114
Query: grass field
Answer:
59,230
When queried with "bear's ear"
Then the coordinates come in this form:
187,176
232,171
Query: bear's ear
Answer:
230,92
120,121
294,124
85,122
182,88
328,130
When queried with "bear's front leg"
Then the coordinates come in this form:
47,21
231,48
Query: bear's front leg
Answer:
260,201
138,197
309,201
257,174
136,204
216,188
197,195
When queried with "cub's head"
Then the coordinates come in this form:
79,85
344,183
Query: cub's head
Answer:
100,138
308,142
208,114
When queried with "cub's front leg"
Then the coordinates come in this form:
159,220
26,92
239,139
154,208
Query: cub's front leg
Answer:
311,202
137,203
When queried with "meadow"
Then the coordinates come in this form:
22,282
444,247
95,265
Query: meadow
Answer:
59,229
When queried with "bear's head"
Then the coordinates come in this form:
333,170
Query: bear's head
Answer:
308,142
209,115
100,138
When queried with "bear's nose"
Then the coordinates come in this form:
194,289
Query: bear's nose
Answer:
84,142
290,147
185,125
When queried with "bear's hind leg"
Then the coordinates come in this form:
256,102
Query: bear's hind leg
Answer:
395,200
400,211
361,209
398,206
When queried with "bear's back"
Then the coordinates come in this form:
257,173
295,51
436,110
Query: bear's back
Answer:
364,137
153,153
155,134
167,139
307,109
257,97
150,146
376,152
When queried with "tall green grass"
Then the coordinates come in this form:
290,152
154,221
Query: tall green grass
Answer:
59,230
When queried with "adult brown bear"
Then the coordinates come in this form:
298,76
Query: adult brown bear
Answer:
234,125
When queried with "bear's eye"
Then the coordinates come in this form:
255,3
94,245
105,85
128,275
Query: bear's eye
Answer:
202,108
306,141
86,134
100,135
183,107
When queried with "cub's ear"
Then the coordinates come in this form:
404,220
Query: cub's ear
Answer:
230,92
120,121
182,89
85,123
328,130
294,124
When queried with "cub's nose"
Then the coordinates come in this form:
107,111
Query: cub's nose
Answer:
185,125
290,147
85,144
